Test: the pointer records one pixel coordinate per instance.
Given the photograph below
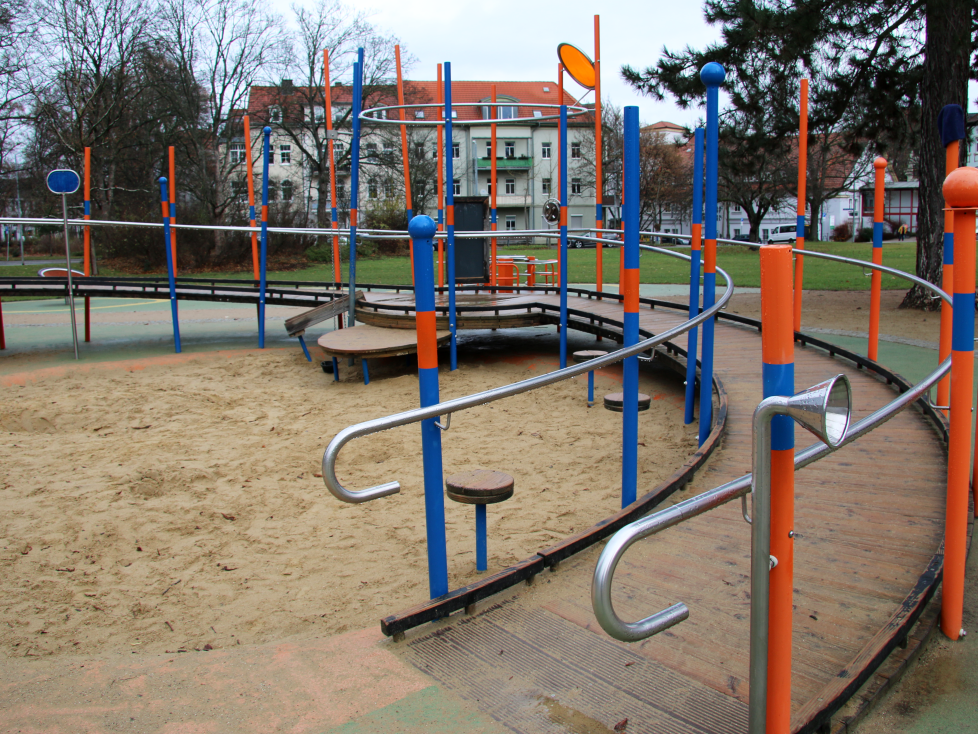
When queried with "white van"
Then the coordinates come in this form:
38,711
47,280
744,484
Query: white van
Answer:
786,234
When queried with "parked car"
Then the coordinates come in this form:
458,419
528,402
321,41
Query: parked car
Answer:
578,243
741,237
786,234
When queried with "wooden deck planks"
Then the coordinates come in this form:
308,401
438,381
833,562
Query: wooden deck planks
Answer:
868,521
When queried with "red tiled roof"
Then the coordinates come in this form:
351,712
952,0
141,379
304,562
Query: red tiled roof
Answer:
528,94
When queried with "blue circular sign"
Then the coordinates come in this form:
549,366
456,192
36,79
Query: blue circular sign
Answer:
63,181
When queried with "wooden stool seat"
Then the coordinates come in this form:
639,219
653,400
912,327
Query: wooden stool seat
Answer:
614,400
479,487
586,355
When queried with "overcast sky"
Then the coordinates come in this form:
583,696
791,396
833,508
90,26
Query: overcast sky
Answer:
508,40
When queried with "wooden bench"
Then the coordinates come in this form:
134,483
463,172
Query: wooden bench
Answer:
372,342
615,400
480,487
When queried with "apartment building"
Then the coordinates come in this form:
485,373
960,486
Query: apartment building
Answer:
527,151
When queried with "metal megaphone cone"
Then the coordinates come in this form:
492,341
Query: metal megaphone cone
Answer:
823,409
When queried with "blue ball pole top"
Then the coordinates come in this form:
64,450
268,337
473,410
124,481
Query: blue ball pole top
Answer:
267,130
713,74
422,227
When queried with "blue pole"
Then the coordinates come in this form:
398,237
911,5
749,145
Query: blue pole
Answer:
263,260
355,179
629,407
169,264
450,211
481,542
422,230
694,271
712,76
563,236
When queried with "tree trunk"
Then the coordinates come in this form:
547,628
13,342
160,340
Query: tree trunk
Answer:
217,211
323,208
944,81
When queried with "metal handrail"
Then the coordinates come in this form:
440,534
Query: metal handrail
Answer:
620,542
470,401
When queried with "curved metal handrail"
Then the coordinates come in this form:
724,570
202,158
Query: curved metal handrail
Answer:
470,401
620,542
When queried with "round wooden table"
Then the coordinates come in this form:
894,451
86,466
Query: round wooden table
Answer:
366,341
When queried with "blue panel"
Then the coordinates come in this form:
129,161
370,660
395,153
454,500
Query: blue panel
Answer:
334,216
599,213
877,234
88,208
779,379
800,227
949,248
492,216
63,181
963,324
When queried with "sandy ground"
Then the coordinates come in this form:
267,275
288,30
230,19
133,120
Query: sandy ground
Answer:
848,312
180,506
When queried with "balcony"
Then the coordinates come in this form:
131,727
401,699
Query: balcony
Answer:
517,163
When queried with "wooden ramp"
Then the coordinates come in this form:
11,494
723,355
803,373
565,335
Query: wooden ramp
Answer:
869,527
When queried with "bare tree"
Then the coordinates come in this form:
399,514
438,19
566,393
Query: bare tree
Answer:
16,25
221,47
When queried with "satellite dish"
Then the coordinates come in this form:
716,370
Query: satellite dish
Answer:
551,211
577,64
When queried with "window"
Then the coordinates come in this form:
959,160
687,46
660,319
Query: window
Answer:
765,233
736,232
545,150
237,153
546,185
489,187
371,150
239,188
380,115
456,187
318,114
575,150
510,222
434,150
273,190
372,190
503,112
510,185
338,148
340,193
388,147
286,190
456,150
537,113
271,154
419,114
454,114
510,149
419,150
736,208
285,155
388,190
488,149
274,115
575,186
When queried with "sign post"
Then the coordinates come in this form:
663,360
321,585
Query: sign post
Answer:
64,182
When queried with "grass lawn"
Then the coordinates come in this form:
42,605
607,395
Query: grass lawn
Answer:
740,262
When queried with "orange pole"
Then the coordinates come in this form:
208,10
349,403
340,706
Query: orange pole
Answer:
874,299
87,240
441,182
173,208
598,173
251,199
802,179
404,153
961,194
777,354
334,216
492,185
947,285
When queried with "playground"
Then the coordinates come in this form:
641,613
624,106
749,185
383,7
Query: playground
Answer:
780,479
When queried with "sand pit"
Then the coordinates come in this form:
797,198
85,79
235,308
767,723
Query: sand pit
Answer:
179,506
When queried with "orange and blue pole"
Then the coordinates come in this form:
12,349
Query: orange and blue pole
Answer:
492,188
169,264
629,430
802,180
712,75
404,150
173,205
877,279
950,123
422,229
694,271
598,155
778,376
263,258
440,143
355,180
563,236
450,212
961,195
88,240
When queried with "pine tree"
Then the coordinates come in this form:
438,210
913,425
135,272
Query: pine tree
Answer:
877,64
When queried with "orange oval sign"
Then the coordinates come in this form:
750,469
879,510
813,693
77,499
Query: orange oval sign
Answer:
577,64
